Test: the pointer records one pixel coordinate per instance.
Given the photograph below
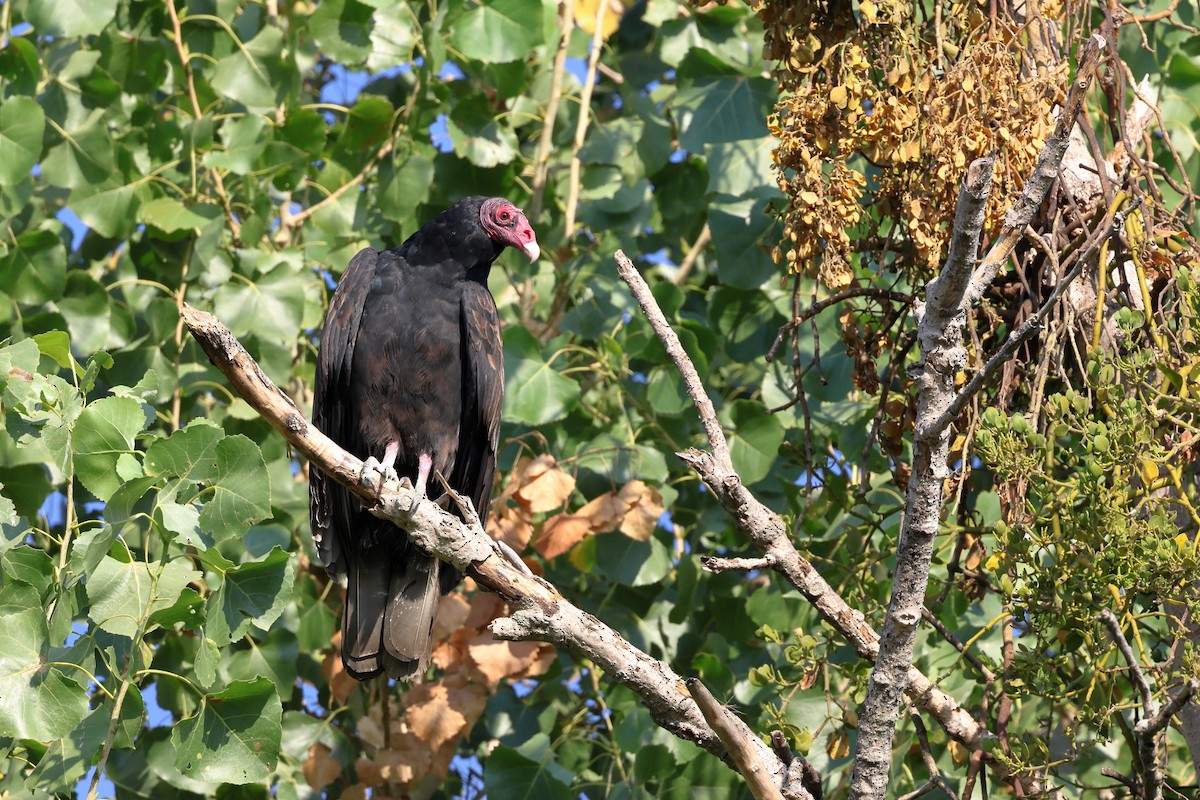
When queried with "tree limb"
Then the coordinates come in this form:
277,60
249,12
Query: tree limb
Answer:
940,335
764,528
539,611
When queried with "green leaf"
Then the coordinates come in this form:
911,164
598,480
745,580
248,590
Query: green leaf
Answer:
122,592
103,433
630,562
37,701
35,271
499,31
106,208
169,215
241,490
68,758
22,125
755,440
188,453
724,109
246,74
275,658
244,142
69,18
254,593
479,136
514,776
234,738
342,29
56,345
534,393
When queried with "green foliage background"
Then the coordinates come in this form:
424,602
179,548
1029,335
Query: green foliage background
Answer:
155,537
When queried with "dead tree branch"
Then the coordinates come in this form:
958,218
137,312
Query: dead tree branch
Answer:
767,531
539,611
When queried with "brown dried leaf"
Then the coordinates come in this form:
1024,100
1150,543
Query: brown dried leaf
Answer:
647,507
560,533
370,731
484,608
838,745
357,791
407,759
433,718
511,525
339,681
547,486
368,772
498,660
606,512
469,697
321,768
452,613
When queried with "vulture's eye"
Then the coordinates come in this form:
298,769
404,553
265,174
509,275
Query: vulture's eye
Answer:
504,216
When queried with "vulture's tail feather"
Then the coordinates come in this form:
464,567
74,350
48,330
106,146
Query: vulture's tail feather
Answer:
390,606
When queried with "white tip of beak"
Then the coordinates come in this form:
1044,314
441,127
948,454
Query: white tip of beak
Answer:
532,250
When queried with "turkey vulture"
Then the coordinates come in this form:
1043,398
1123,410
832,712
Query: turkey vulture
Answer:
410,370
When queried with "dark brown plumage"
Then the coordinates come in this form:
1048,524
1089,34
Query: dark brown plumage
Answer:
410,371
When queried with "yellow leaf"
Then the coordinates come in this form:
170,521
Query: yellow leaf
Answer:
838,96
838,745
585,15
1148,470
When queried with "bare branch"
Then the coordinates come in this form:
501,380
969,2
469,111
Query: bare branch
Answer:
737,737
670,341
715,564
541,163
764,528
539,611
1147,735
1152,725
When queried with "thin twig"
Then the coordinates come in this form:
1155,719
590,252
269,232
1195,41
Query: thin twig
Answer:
1152,779
185,61
693,253
584,118
716,564
304,213
541,162
670,340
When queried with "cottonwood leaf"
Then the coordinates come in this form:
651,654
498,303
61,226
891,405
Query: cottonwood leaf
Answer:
535,393
434,720
37,701
500,31
240,489
253,593
22,125
103,433
546,487
560,533
234,738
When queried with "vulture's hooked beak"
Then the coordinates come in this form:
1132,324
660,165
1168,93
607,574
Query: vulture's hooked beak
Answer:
532,250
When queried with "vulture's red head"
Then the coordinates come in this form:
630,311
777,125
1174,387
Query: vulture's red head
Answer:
506,225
